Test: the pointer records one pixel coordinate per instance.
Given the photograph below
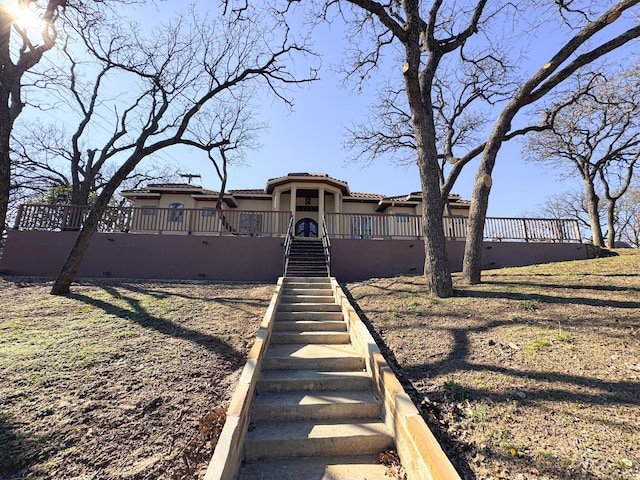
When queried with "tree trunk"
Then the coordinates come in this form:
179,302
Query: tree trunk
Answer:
593,202
5,170
472,262
72,264
611,228
436,260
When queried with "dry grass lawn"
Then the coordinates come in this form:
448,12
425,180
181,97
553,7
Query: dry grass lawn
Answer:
119,379
535,374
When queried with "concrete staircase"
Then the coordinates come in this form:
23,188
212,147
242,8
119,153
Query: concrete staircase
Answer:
307,258
315,416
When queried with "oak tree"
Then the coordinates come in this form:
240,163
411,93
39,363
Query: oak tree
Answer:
190,73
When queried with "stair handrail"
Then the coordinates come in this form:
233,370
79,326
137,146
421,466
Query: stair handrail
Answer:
288,240
326,245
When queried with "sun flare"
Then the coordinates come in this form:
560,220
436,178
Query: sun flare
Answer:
22,17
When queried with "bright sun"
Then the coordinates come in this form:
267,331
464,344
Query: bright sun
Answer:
23,18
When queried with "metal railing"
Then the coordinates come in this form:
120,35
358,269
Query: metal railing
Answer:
288,240
210,221
326,245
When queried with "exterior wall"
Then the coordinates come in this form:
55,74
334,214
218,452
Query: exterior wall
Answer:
354,260
359,207
395,210
168,199
258,205
247,259
241,259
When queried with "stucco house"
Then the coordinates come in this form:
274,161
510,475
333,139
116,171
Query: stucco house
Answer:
175,231
307,197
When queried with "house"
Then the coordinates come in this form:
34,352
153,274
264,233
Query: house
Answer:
175,231
308,197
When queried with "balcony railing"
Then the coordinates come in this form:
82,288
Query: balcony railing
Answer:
196,221
208,221
363,226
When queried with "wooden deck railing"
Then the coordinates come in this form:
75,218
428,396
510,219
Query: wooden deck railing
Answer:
156,220
348,225
266,223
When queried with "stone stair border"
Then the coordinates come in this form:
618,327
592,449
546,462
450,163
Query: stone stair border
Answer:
420,453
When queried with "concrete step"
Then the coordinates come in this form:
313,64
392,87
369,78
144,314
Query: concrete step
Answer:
303,438
326,405
312,357
309,307
301,298
319,274
309,325
321,292
307,259
315,468
307,271
284,336
288,281
313,380
304,282
309,316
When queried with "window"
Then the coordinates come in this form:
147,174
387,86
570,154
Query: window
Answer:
361,226
250,224
148,210
208,212
175,212
402,218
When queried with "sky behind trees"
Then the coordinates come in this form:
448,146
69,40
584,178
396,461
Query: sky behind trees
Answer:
310,138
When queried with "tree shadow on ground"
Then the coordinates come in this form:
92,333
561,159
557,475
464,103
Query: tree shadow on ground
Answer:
143,318
591,390
12,450
160,294
17,451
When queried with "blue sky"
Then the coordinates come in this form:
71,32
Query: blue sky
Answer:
310,139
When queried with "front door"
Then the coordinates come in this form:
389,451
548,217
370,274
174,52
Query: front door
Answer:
307,228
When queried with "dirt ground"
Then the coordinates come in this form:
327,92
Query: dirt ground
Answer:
119,379
535,374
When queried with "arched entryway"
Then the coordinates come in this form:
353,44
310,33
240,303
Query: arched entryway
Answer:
306,228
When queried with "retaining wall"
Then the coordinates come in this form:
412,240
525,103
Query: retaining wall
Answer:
254,259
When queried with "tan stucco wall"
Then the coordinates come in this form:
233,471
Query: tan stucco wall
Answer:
267,204
257,205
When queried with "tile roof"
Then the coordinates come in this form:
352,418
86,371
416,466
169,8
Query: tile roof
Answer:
248,191
173,185
372,196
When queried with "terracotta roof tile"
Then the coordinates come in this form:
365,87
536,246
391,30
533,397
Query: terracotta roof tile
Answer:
173,185
248,191
373,196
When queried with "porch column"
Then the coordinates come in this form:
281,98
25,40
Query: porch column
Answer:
276,200
292,206
336,209
320,207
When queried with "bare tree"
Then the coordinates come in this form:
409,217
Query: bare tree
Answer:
573,204
424,35
29,29
594,133
570,204
185,70
628,218
566,62
47,156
